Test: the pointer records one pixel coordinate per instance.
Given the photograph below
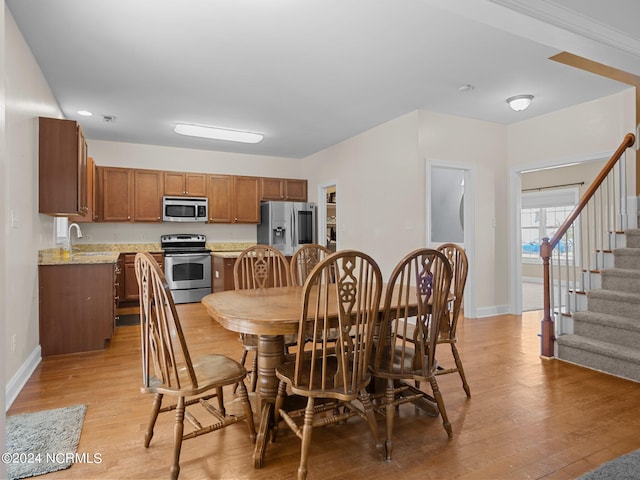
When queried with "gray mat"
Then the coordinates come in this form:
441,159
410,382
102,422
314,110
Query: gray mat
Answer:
43,442
626,467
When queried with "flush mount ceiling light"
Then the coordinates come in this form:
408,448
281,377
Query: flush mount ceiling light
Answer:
519,102
217,133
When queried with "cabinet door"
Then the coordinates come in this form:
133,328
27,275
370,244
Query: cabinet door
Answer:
195,184
190,184
272,188
91,214
220,194
129,281
62,169
174,183
296,190
147,189
246,194
116,194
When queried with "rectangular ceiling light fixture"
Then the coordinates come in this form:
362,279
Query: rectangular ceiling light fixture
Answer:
216,133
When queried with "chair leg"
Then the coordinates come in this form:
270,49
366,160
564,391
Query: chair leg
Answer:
243,360
254,371
456,357
440,401
390,411
365,398
248,412
282,392
155,409
178,430
220,397
306,439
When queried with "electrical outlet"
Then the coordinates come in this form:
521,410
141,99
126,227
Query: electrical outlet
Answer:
14,219
13,343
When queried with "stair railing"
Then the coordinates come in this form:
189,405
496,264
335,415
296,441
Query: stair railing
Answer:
567,258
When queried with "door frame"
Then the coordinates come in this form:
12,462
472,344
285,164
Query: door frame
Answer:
322,211
515,232
470,302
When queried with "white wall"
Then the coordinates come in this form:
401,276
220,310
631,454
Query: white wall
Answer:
462,141
27,97
380,190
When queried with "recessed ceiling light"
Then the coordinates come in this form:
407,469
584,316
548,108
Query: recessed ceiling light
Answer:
85,113
217,133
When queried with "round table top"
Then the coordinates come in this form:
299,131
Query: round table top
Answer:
267,311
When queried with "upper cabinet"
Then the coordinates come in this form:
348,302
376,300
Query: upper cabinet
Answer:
220,194
190,184
233,199
246,196
62,156
130,195
92,212
292,190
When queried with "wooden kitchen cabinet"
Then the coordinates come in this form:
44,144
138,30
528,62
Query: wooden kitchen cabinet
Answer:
189,184
116,194
220,195
92,205
246,197
233,199
222,273
77,307
129,195
128,288
289,189
147,195
62,168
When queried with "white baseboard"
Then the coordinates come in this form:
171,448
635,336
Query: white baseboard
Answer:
21,377
492,311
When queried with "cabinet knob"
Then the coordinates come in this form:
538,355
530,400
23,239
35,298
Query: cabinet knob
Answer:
128,218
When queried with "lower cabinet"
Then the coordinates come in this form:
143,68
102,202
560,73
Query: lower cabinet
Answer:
222,273
128,283
77,307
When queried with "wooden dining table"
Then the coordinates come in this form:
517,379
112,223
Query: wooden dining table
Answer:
269,313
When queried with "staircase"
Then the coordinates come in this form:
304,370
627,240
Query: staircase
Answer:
606,337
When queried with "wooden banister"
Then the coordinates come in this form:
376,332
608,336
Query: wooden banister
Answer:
547,246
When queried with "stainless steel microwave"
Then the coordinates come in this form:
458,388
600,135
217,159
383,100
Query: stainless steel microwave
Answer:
185,209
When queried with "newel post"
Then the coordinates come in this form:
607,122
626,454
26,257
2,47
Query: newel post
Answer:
547,330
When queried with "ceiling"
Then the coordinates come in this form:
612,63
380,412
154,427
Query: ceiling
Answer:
311,73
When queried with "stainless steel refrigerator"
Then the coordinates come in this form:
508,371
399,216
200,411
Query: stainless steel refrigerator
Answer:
287,225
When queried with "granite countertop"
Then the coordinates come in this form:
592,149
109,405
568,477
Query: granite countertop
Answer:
84,253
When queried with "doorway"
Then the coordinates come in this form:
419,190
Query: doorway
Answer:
328,215
450,197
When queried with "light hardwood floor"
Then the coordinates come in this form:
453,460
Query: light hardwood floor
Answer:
528,418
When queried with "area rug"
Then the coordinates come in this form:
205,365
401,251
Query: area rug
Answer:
42,442
626,467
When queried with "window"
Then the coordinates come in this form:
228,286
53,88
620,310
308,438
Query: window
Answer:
541,215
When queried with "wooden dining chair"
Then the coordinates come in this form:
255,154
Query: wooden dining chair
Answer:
415,303
304,259
459,268
167,367
342,291
260,266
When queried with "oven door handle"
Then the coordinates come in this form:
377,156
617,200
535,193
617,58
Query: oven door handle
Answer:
193,255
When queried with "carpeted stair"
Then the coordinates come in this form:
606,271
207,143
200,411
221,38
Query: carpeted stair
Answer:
606,337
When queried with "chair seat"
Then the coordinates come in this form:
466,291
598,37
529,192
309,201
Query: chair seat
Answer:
333,387
211,371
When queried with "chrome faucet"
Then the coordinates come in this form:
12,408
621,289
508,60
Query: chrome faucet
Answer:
78,232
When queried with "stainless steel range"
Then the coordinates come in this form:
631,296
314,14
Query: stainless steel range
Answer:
187,266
